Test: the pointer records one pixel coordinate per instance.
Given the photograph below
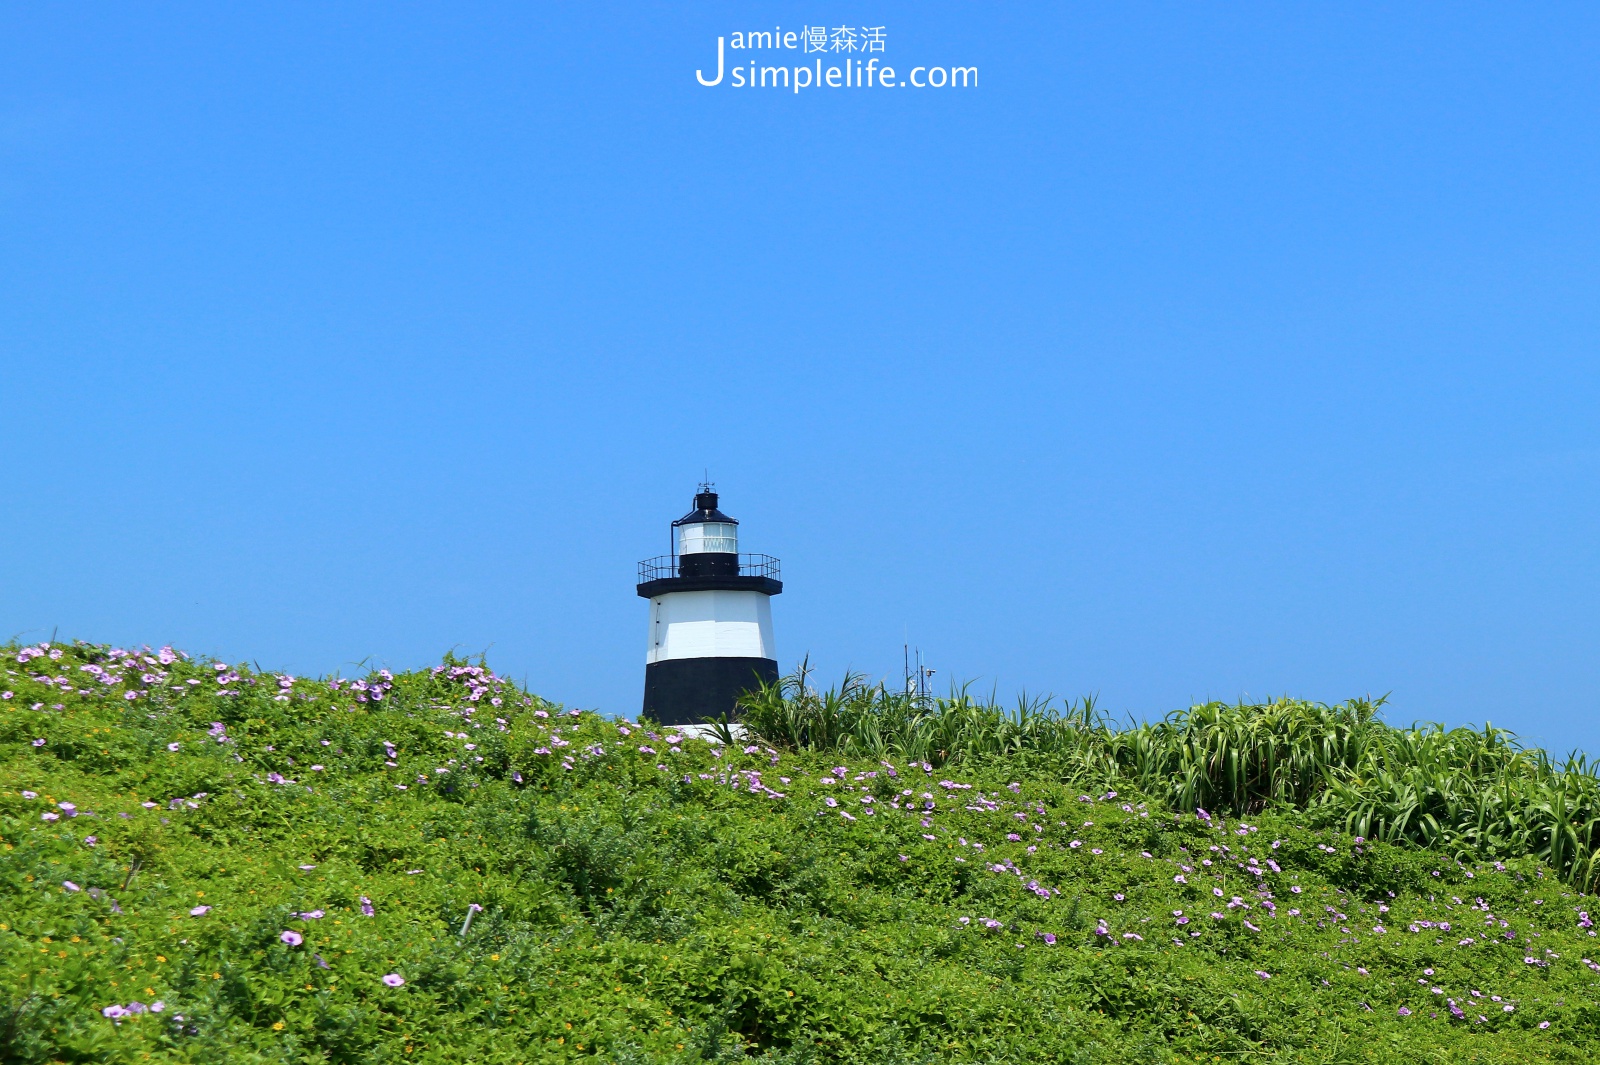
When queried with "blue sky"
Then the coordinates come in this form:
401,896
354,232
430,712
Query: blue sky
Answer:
1197,352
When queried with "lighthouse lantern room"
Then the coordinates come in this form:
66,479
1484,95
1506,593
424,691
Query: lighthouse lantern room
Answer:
710,619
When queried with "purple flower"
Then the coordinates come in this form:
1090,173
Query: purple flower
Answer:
40,743
394,980
49,817
199,911
1263,975
294,939
1404,1012
114,1012
30,795
1048,937
366,907
172,746
70,886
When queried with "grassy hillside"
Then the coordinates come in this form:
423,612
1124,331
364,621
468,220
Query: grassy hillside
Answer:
436,866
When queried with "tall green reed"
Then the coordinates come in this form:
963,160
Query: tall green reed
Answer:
1467,792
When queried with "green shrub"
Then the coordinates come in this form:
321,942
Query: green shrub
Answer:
792,901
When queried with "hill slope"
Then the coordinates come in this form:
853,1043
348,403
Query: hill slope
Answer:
436,866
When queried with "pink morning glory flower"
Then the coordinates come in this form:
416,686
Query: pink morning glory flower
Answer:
294,939
394,980
199,911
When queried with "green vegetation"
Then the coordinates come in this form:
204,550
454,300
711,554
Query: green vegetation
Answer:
438,867
1468,793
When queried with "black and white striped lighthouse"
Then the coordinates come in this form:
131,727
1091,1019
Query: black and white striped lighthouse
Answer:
710,618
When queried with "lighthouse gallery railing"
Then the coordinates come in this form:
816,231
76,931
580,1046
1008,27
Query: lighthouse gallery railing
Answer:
664,566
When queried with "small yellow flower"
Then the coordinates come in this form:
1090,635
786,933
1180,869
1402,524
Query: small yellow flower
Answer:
278,1027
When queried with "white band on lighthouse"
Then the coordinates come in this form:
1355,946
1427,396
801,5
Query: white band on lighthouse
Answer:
710,624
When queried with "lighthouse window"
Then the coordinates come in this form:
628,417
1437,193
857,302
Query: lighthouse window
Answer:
708,536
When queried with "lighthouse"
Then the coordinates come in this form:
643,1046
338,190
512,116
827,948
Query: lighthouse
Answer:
710,619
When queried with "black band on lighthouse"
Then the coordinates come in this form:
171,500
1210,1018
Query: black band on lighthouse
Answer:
687,691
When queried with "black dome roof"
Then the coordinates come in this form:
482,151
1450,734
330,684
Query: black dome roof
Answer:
705,509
